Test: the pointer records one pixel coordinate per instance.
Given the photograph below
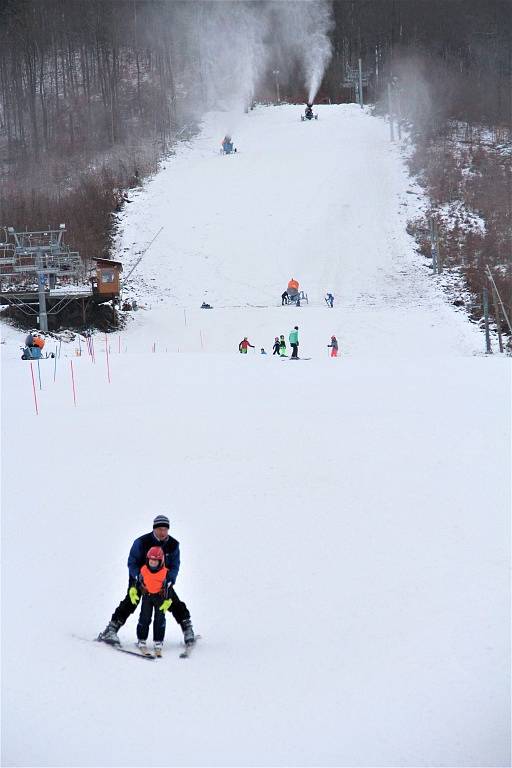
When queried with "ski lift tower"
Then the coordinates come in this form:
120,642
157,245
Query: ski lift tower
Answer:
37,259
356,80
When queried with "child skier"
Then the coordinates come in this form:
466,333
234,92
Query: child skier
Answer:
242,347
152,579
282,346
334,346
276,347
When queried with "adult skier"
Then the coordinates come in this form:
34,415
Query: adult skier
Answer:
136,559
294,342
309,112
242,347
334,346
330,300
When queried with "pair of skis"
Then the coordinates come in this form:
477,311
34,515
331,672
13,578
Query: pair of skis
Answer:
145,653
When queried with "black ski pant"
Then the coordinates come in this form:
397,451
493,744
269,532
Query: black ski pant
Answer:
150,604
295,348
125,609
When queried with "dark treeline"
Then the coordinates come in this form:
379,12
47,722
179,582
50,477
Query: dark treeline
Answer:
462,49
88,105
94,92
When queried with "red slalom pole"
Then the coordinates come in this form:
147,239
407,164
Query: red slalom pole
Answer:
108,359
34,388
73,381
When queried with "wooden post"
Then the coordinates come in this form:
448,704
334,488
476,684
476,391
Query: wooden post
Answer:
497,316
488,349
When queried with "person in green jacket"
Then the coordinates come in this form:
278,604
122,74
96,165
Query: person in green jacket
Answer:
294,341
282,346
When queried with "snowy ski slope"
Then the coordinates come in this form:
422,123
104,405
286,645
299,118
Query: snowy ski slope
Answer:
344,524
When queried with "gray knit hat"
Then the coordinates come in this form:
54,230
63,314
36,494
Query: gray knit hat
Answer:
161,521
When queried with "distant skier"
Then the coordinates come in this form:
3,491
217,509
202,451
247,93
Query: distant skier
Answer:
330,300
309,112
29,341
284,298
136,559
334,346
242,347
282,346
152,583
276,347
294,342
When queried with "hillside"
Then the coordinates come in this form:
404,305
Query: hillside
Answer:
344,523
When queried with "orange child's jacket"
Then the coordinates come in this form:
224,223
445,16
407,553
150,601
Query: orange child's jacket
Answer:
39,342
294,285
154,582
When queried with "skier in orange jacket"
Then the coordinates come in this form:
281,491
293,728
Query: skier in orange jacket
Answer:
152,585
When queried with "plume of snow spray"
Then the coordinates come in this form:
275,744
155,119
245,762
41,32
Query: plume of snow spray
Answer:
303,29
319,50
231,45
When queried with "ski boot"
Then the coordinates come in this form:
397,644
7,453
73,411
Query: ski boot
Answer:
157,647
188,632
143,648
109,634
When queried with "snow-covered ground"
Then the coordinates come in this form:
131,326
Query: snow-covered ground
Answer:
344,524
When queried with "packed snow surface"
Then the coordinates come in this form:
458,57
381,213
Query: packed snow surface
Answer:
344,523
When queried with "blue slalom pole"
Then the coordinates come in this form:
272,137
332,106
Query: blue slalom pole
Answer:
39,374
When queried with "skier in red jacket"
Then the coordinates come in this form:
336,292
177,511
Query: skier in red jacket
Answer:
242,347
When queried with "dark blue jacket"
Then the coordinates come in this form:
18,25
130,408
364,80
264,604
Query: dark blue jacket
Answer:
140,548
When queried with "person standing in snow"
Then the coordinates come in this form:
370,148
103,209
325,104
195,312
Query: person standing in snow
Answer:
242,347
276,347
330,300
152,584
282,346
334,346
136,559
294,342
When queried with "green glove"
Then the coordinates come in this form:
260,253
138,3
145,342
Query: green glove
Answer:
134,595
165,605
